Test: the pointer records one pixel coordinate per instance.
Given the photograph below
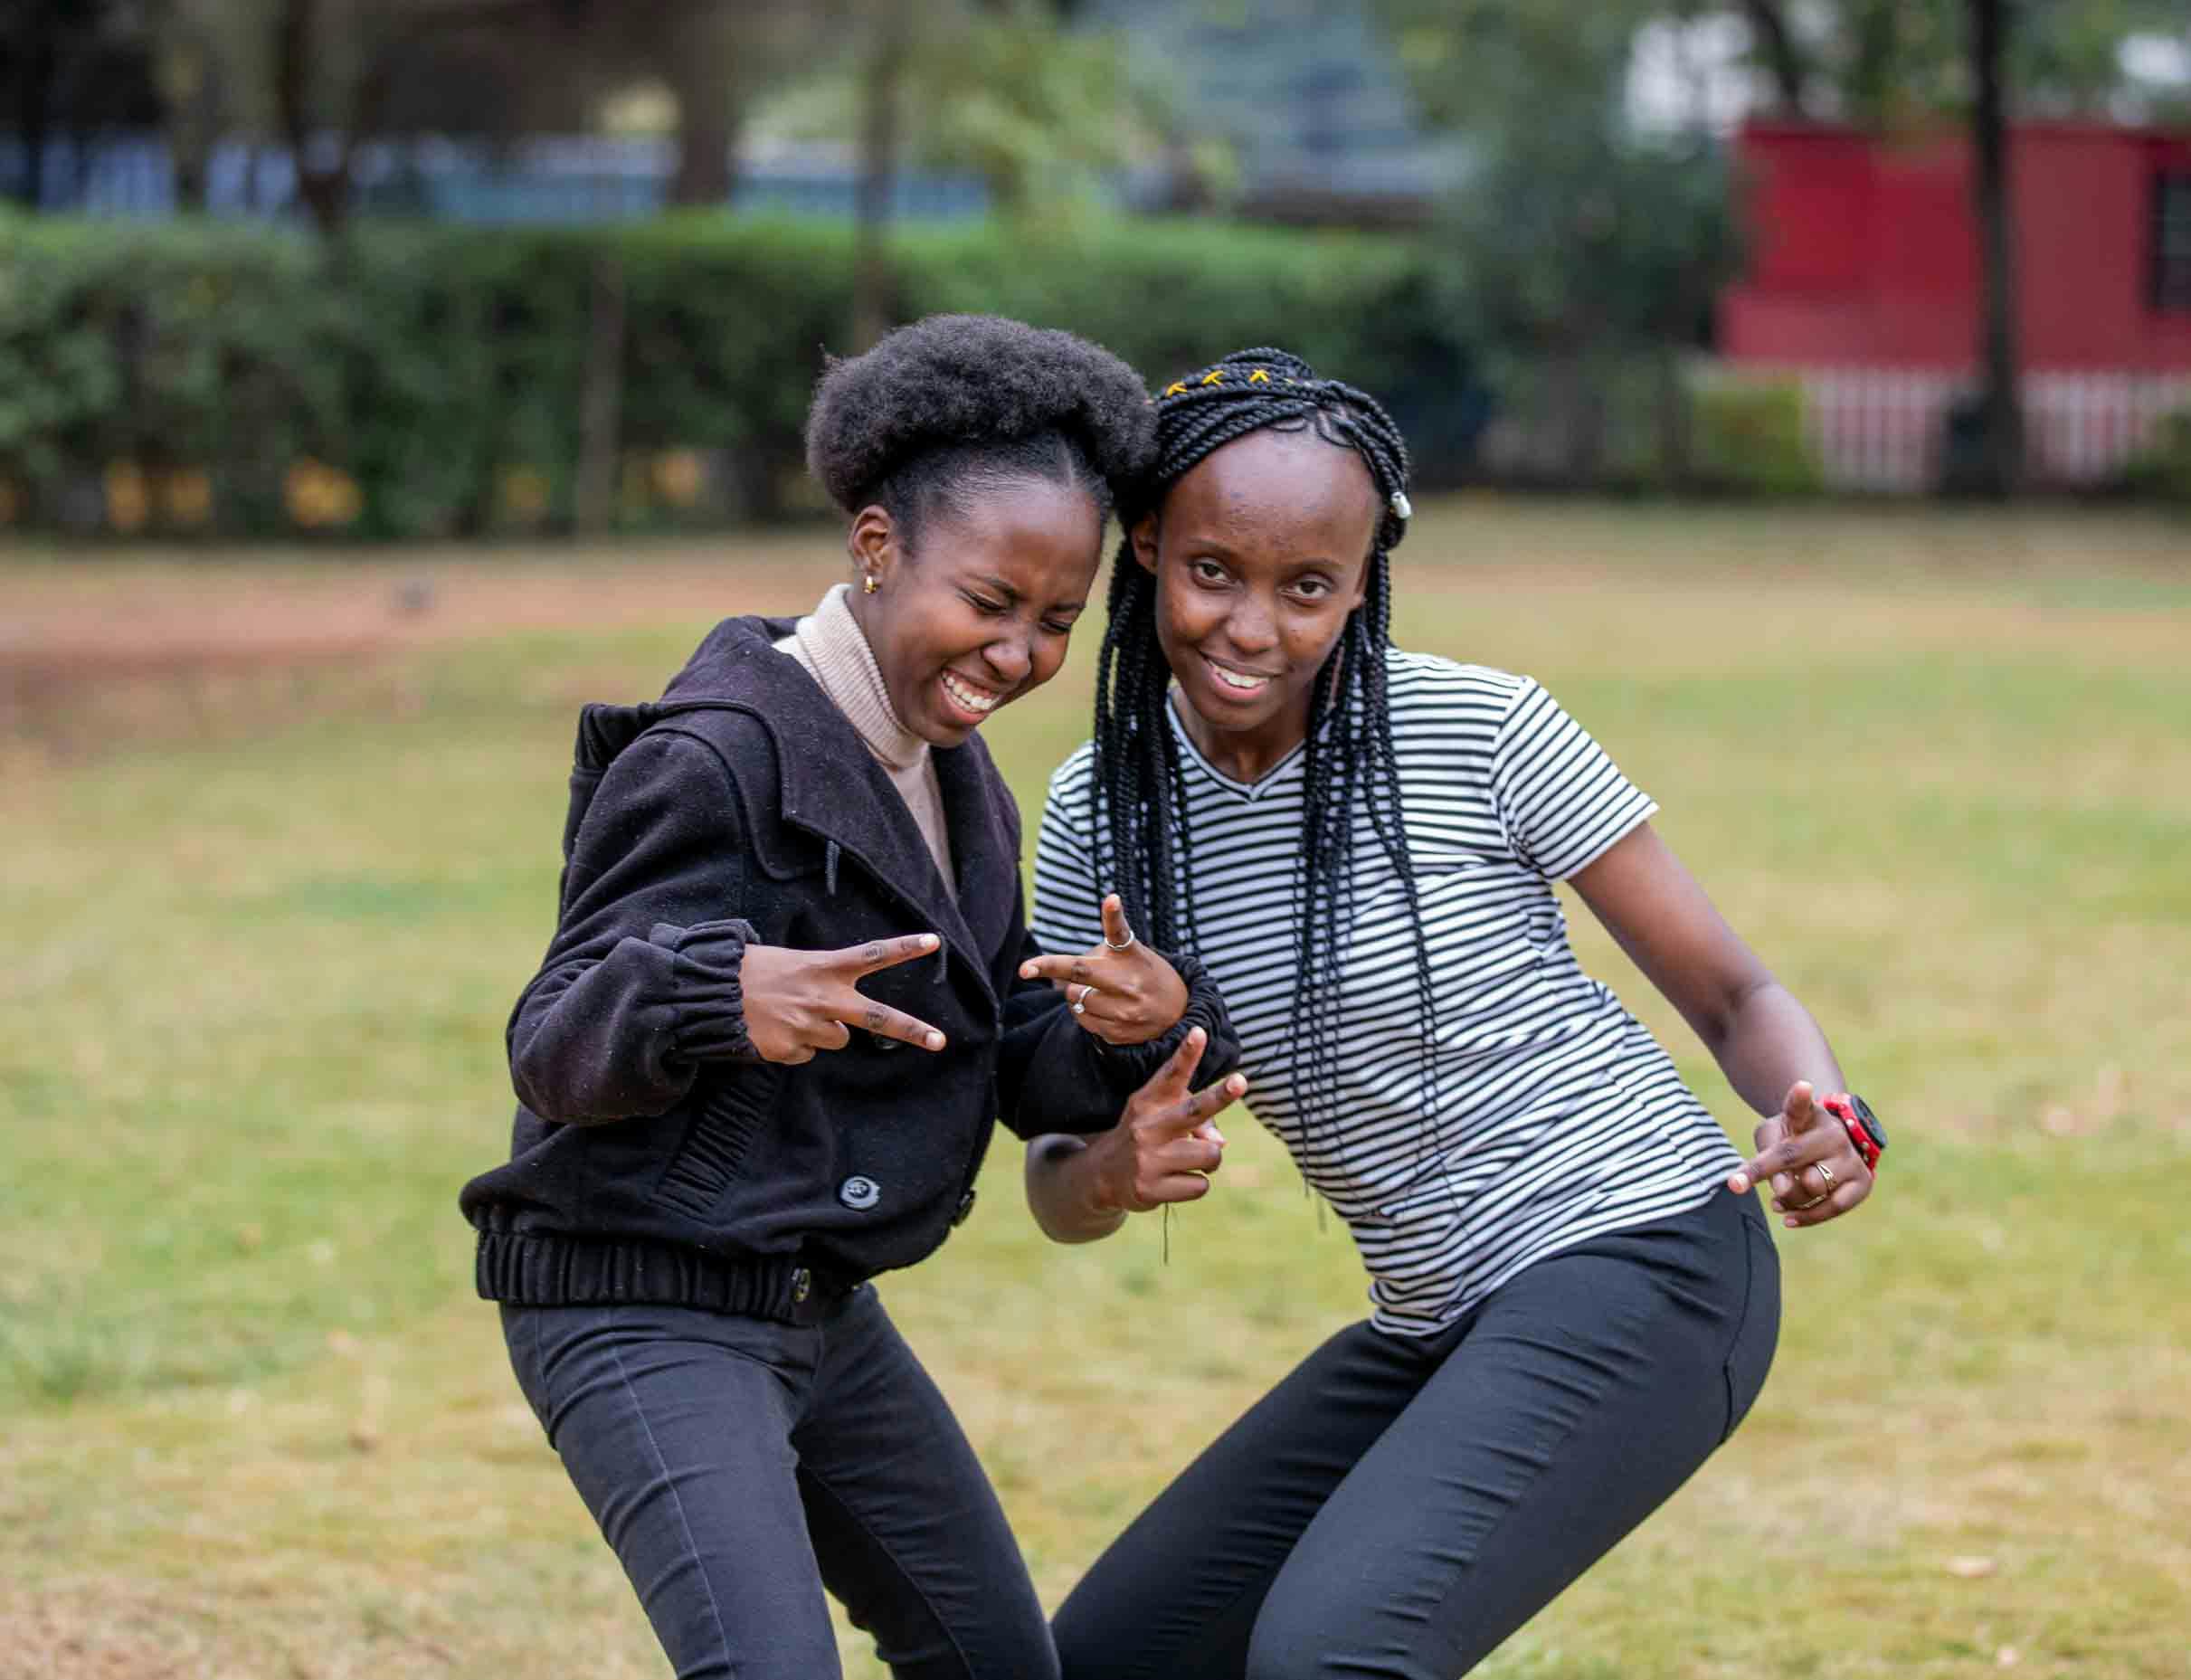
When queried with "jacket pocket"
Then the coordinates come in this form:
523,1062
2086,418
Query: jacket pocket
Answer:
1749,1354
730,1113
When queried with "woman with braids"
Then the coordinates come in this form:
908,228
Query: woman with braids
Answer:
778,1015
1570,1310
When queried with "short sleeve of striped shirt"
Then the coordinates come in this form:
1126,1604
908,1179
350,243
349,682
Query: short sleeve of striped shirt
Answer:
1563,801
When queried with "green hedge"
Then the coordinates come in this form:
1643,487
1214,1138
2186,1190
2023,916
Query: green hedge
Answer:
424,381
2163,470
1748,438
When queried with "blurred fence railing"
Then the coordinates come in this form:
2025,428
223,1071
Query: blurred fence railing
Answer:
567,179
1886,428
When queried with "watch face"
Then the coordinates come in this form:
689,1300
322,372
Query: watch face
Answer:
1868,1120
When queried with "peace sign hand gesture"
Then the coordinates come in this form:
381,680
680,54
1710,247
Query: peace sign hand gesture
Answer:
799,1002
1120,991
1167,1143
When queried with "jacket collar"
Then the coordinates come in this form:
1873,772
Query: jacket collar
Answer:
829,785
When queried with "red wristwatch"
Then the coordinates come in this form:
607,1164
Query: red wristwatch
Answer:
1866,1133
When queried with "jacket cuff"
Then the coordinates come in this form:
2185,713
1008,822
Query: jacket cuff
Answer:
1205,1009
707,995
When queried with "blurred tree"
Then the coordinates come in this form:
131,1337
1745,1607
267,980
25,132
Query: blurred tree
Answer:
333,75
1585,255
1040,112
186,66
1887,65
2001,463
1004,89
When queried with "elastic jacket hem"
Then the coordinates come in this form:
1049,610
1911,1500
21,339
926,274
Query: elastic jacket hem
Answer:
546,1268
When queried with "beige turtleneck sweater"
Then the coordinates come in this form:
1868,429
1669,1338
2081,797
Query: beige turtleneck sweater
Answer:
830,645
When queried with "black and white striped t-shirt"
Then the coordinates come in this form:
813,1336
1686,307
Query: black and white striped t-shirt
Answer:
1560,1116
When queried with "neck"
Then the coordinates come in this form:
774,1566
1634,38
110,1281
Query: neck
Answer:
1245,756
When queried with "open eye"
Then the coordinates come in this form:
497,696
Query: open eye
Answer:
1206,571
1311,588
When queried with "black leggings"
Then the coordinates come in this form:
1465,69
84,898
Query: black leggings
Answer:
1396,1507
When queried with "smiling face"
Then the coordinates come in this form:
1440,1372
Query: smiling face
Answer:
983,613
1259,554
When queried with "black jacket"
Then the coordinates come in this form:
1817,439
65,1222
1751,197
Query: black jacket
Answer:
656,1157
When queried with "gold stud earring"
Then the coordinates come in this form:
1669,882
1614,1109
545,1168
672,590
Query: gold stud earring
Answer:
868,584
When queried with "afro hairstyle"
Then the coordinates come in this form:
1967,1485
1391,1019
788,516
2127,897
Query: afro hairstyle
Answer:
955,405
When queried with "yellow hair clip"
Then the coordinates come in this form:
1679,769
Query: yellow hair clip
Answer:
1215,376
1261,376
1178,387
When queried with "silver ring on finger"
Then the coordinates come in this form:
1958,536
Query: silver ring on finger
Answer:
1132,939
1086,993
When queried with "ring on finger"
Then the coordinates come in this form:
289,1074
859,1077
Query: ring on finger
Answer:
1081,1007
1132,939
1799,1207
1825,1174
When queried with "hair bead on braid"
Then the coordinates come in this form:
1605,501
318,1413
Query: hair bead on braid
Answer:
1144,842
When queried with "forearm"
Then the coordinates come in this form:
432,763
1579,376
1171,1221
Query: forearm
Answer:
622,1036
1063,1193
1054,1077
1770,1041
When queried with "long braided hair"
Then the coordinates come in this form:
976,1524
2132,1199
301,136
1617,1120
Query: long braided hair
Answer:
1144,845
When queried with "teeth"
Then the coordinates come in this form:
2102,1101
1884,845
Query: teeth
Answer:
1233,679
966,696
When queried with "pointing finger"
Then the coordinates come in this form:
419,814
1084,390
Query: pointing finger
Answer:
1055,968
1792,1152
1194,1112
881,953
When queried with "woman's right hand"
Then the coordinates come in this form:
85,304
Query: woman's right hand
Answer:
799,1002
1167,1143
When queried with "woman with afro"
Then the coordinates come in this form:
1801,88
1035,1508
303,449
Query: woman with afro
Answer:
778,1016
1570,1310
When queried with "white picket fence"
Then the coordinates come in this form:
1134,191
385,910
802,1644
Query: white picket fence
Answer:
1883,428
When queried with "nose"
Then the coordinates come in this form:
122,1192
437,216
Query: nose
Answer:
1009,658
1252,628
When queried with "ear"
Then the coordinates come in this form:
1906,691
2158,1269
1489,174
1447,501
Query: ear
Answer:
1143,538
872,542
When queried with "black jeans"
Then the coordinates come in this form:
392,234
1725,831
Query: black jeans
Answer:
740,1467
1396,1507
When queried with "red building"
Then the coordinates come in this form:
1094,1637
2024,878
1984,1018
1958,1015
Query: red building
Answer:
1866,251
1865,280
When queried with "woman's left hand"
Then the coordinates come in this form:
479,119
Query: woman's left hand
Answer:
1806,1154
1120,991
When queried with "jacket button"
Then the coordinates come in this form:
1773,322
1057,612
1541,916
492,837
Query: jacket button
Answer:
802,1283
860,1193
965,1207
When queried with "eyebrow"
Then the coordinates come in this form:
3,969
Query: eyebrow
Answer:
1225,551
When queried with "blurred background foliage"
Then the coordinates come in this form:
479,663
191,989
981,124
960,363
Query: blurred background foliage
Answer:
1512,221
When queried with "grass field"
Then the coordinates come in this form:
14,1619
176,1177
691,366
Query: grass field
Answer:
275,863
